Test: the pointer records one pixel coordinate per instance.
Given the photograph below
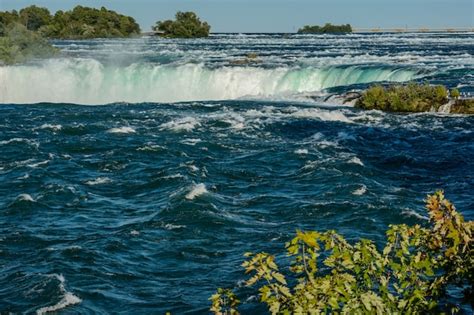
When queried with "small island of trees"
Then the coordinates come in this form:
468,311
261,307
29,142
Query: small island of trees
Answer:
78,23
328,28
23,34
185,25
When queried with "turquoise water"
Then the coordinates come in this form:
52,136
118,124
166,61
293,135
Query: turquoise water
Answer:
147,206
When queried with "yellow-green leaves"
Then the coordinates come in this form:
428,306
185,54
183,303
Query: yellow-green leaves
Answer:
407,277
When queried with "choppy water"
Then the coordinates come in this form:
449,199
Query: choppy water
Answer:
149,207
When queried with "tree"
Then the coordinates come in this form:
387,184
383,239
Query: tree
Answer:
409,276
34,17
454,93
19,45
185,25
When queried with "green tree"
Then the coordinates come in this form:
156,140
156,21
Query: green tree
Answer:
19,45
185,25
409,276
454,93
34,17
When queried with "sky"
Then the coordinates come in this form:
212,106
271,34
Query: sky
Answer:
283,15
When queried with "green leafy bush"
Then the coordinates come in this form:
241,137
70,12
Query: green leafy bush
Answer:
78,23
454,93
327,28
19,44
409,276
185,25
463,106
404,98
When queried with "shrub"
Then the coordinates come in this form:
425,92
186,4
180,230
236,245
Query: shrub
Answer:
464,106
454,93
404,98
409,276
186,25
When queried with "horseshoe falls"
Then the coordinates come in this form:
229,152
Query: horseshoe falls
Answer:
192,152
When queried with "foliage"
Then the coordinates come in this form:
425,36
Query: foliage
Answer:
34,17
20,44
185,25
454,93
463,106
404,98
327,28
78,23
409,276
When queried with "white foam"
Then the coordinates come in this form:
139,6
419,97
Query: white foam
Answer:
13,140
121,130
170,226
193,168
356,160
196,191
98,181
134,233
51,127
191,141
326,115
301,151
35,165
360,191
173,176
68,298
25,197
181,124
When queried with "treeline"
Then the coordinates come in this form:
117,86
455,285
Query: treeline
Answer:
327,28
78,23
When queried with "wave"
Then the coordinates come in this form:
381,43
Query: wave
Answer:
88,81
67,299
196,191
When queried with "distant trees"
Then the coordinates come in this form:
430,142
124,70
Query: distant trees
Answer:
78,23
185,25
327,28
18,44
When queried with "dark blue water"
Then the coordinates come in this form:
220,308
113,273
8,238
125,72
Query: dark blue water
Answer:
147,208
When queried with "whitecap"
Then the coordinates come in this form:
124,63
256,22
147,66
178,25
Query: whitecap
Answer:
360,191
196,191
121,130
151,147
332,115
134,233
193,168
68,298
301,151
170,226
173,176
51,127
25,197
98,181
35,165
191,141
182,124
13,140
356,160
